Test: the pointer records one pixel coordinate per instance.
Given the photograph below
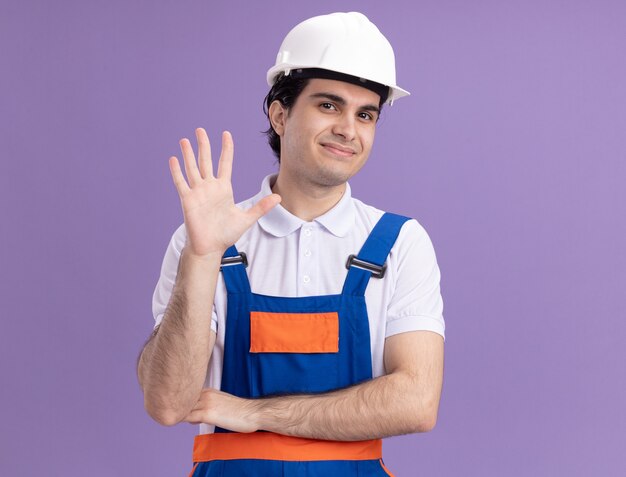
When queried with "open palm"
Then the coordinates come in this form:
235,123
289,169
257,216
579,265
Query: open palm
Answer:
212,220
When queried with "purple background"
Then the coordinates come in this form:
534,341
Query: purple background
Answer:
511,151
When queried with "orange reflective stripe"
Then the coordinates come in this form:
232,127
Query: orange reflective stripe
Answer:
294,332
193,470
270,446
385,468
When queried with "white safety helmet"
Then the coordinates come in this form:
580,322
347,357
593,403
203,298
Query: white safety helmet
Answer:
346,43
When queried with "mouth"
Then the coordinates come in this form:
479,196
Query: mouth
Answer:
339,150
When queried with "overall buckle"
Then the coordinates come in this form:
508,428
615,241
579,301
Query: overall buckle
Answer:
377,271
236,260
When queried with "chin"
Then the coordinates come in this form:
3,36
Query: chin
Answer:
332,178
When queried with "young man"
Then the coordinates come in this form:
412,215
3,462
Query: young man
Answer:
301,326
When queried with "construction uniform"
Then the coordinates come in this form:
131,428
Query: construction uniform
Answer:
269,344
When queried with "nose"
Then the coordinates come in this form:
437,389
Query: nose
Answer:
345,127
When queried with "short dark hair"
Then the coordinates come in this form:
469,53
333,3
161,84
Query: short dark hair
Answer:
286,90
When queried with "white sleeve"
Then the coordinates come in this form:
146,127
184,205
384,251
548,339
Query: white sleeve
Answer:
169,270
416,303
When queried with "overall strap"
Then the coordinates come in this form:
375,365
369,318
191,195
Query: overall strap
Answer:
234,271
371,259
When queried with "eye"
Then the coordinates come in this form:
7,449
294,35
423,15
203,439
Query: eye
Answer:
328,106
366,116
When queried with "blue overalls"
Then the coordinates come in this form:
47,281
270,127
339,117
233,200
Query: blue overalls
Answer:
286,345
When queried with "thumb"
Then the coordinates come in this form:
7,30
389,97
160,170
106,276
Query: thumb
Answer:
263,206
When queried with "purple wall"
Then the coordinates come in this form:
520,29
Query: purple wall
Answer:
511,152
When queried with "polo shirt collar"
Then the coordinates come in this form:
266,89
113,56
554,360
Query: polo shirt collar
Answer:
280,222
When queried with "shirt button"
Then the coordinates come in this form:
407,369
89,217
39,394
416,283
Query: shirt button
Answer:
306,279
307,232
307,253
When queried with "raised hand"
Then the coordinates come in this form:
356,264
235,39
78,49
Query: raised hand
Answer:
212,220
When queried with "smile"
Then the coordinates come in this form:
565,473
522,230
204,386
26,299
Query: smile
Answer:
339,150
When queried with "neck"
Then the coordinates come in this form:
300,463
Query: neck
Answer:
307,201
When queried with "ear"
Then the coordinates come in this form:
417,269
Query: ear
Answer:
277,115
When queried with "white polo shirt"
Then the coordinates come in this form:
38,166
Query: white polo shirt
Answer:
293,258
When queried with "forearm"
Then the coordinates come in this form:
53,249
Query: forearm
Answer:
385,406
405,400
398,403
173,365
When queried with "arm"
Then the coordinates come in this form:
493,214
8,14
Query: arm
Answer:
172,367
403,401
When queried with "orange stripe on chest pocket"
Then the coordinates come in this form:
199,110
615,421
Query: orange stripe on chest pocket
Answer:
294,332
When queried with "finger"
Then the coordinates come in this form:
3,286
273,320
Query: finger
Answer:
177,176
204,153
263,206
191,169
194,417
225,167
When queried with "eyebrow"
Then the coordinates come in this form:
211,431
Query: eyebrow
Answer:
342,102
